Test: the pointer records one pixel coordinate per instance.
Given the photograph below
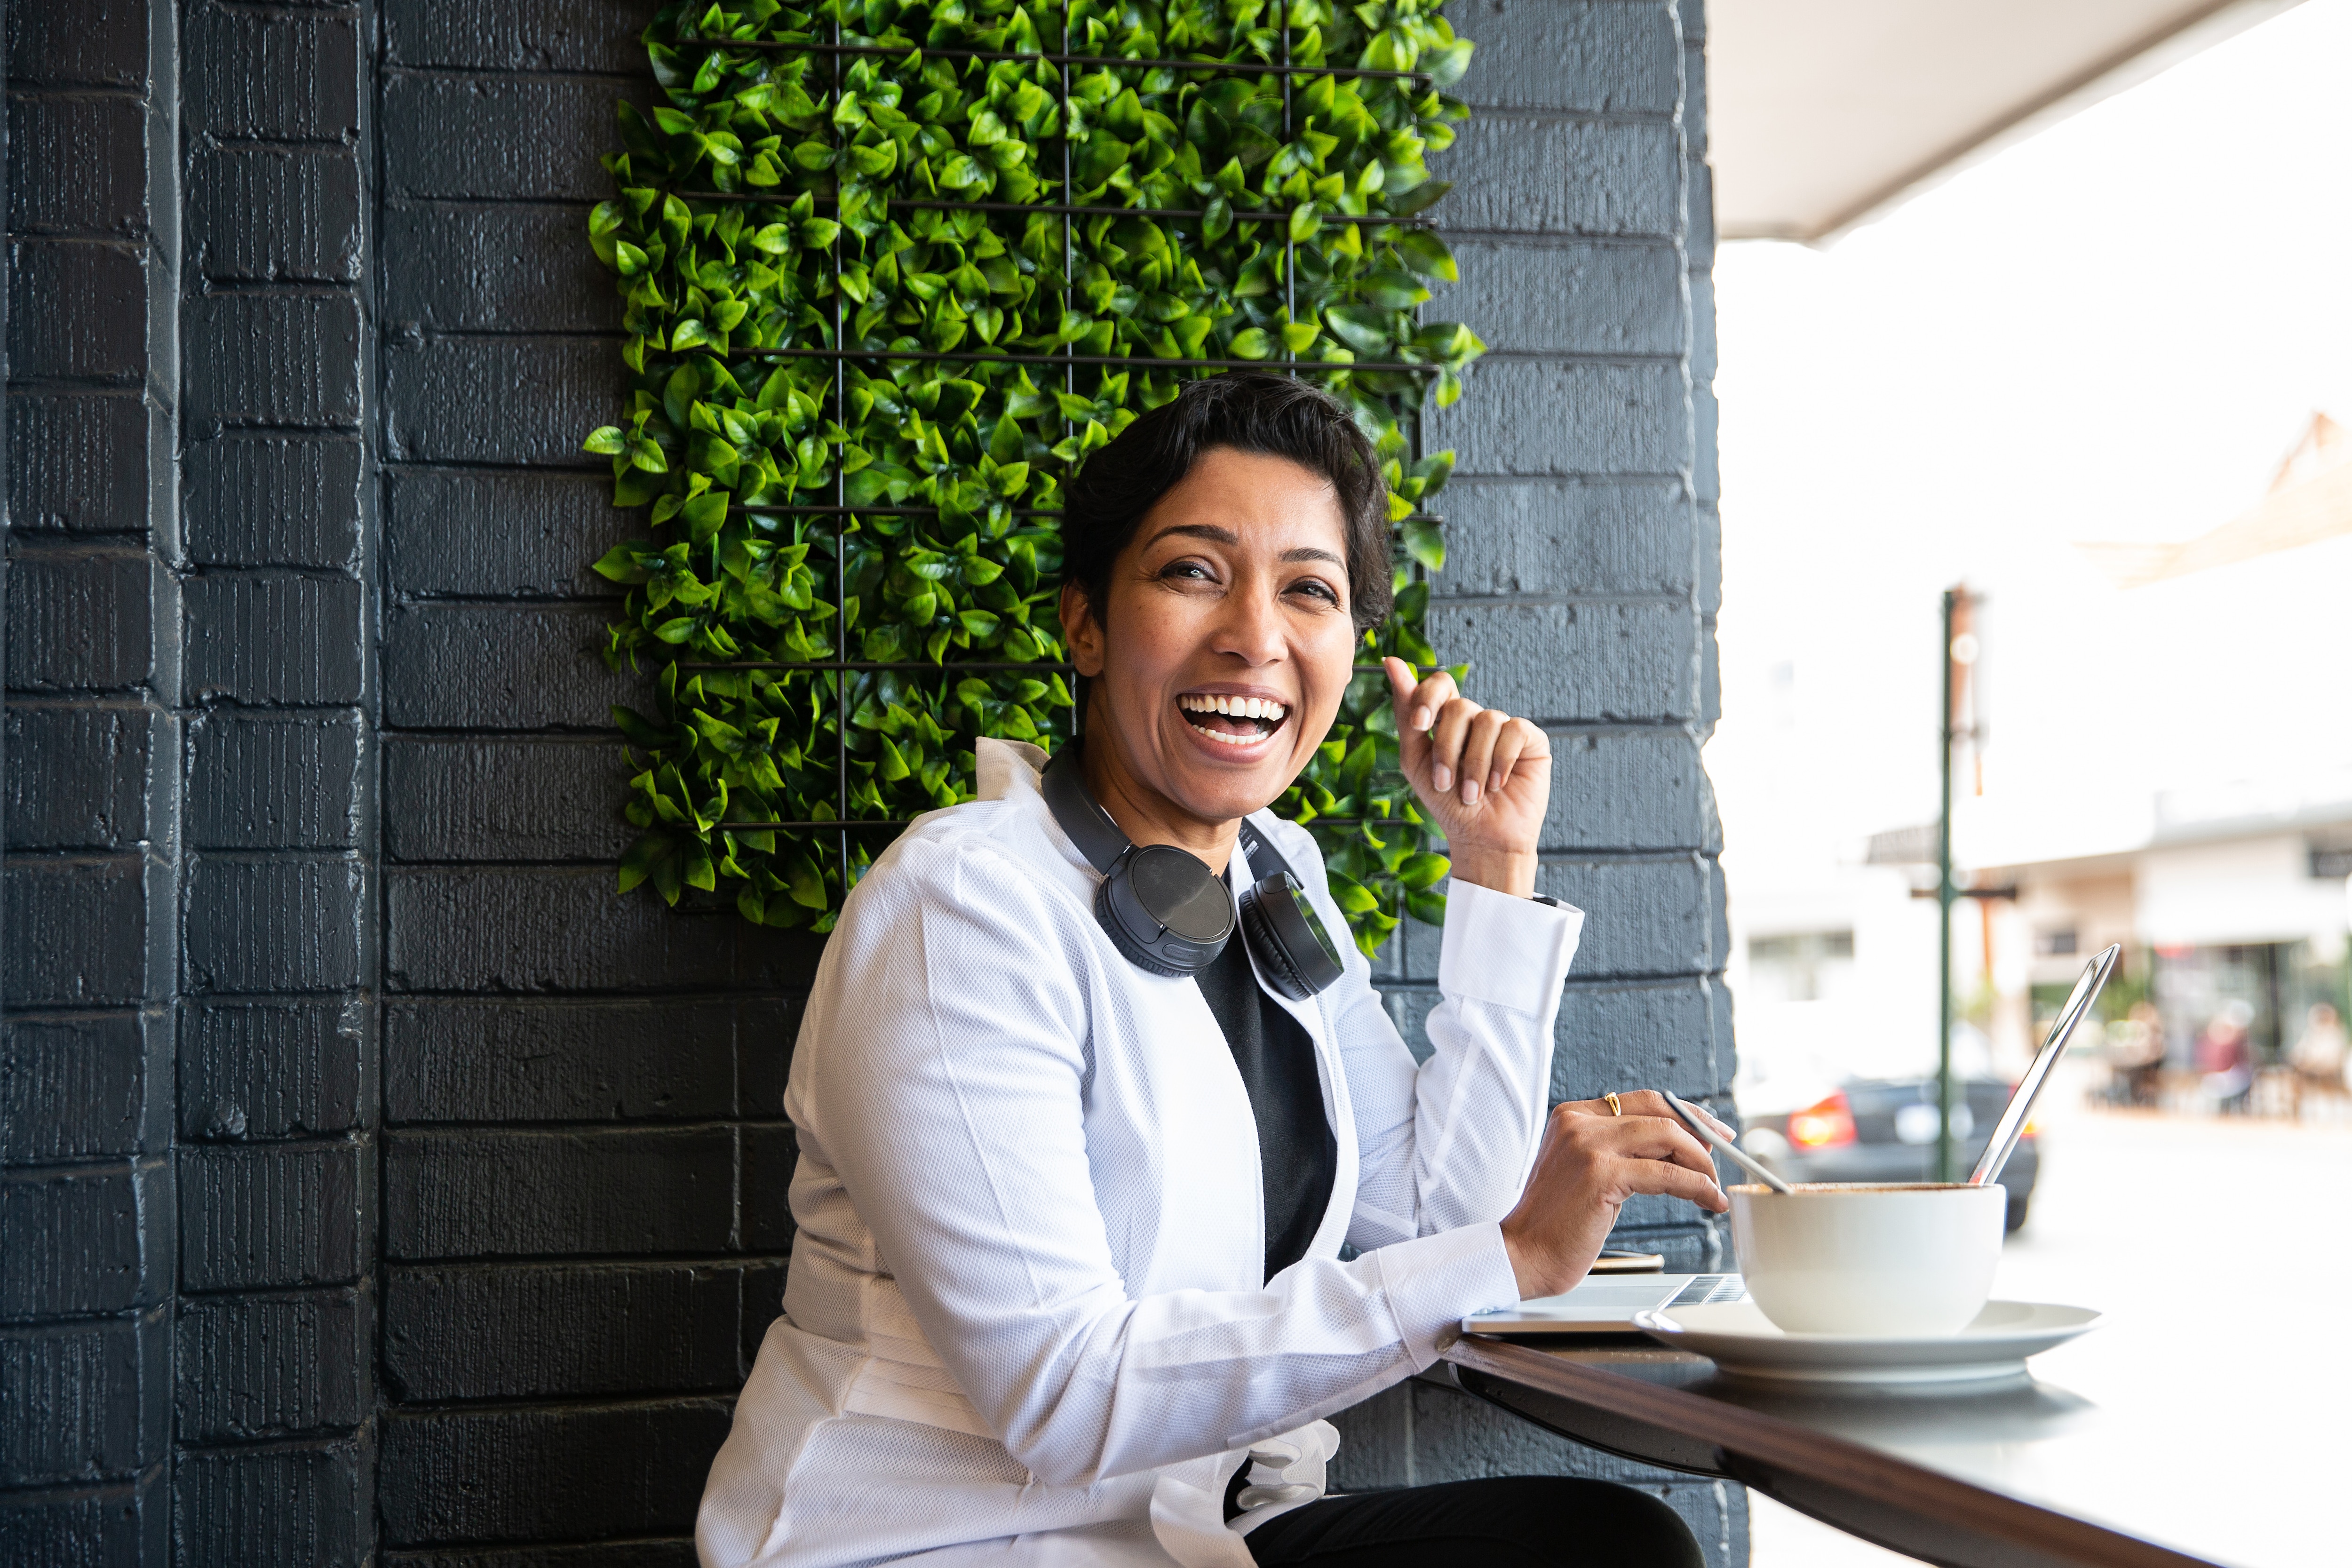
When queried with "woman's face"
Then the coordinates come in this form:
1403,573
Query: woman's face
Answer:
1227,643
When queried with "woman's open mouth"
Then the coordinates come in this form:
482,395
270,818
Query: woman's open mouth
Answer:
1232,720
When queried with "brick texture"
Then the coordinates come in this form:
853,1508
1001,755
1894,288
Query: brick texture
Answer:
76,1244
269,1070
500,1193
83,1087
274,500
475,534
508,1332
78,774
77,462
76,311
80,165
303,1504
80,618
463,1060
284,75
267,214
566,1474
272,1215
95,1394
272,359
268,1366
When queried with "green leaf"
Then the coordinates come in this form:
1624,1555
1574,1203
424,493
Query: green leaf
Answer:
1427,255
1446,64
620,564
1251,343
804,882
1361,328
1422,870
704,513
1425,545
1420,198
605,441
1391,290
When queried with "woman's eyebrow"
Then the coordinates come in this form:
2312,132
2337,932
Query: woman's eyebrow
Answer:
1209,532
1216,535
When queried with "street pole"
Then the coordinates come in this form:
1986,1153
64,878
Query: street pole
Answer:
1947,1167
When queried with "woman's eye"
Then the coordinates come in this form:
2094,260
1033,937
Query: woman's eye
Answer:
1192,570
1316,588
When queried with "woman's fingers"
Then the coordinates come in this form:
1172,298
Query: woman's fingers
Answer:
1476,763
1650,1103
1416,701
1446,739
1672,1180
1418,704
1657,1138
1510,741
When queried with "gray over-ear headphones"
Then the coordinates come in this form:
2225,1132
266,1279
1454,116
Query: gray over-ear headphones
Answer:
1167,913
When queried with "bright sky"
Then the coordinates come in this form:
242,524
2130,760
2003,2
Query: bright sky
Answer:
2112,331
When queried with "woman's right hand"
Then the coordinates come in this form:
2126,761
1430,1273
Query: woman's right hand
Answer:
1591,1162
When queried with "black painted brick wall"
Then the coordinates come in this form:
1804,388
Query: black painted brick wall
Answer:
375,1184
583,1226
89,1201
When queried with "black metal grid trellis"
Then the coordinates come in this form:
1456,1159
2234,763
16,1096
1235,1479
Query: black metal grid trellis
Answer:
841,668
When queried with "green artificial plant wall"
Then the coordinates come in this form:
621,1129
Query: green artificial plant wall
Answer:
892,268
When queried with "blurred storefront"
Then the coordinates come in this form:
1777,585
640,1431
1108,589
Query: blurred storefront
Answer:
2225,873
2157,753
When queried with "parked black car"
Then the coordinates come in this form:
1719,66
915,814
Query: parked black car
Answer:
1885,1131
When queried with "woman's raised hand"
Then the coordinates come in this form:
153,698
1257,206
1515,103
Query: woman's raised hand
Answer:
1591,1160
1483,775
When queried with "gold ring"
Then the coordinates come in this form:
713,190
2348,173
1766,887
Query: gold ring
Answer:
1614,1107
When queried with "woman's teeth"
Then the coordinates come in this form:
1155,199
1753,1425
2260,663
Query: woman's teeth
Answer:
1245,718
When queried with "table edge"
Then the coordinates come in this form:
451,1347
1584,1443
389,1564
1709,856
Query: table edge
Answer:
1818,1455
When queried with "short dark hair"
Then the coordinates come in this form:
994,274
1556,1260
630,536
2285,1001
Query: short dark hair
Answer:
1250,411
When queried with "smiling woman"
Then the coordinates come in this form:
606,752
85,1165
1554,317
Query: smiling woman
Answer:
1112,1156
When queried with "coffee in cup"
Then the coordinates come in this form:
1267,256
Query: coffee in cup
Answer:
1895,1259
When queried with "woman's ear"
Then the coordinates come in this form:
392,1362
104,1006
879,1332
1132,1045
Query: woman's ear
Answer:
1081,631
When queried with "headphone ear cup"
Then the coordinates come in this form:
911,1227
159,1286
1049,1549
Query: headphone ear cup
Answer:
1268,949
1129,948
1286,938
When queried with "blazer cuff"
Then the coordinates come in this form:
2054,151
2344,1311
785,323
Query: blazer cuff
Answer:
1433,1282
1511,952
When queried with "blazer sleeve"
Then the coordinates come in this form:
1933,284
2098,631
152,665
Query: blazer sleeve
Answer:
947,1093
1448,1143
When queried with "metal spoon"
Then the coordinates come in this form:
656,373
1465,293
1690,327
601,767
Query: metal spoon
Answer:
2011,1126
1722,1145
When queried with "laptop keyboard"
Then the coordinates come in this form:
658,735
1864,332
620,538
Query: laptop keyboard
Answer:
1707,1290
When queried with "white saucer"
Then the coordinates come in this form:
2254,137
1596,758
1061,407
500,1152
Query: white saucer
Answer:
1741,1340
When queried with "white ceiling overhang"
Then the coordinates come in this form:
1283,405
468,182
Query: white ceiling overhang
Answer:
1822,114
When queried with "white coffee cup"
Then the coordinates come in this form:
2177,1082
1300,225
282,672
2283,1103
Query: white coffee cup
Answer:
1907,1258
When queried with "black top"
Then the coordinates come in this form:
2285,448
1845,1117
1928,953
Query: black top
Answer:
1295,1146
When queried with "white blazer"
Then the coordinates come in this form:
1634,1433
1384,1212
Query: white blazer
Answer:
1025,1322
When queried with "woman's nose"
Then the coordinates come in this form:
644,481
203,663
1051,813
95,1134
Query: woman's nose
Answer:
1250,629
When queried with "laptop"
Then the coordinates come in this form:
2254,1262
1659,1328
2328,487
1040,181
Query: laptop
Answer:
1606,1305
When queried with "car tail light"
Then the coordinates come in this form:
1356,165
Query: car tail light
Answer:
1825,1124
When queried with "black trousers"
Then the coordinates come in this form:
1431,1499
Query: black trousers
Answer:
1510,1521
